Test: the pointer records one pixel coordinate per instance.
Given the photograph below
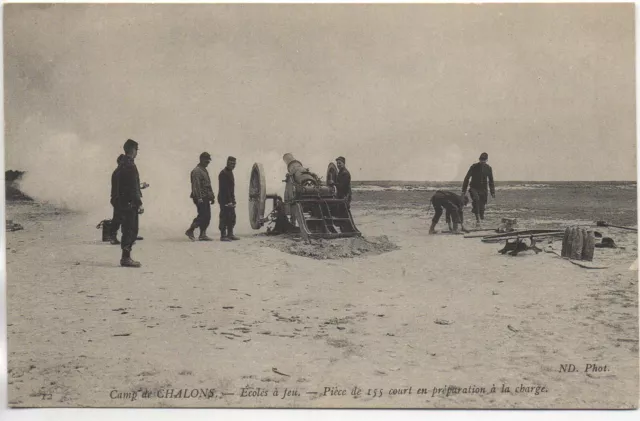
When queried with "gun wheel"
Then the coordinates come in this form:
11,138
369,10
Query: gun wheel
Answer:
257,196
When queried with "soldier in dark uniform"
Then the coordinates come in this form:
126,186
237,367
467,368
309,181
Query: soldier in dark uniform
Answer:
116,220
128,199
203,198
481,176
453,204
227,201
343,181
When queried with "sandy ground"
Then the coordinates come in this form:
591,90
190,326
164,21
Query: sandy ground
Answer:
438,311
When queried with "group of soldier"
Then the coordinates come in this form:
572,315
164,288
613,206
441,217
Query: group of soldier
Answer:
126,198
479,180
203,197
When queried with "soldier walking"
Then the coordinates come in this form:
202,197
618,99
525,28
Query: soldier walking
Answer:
227,201
128,201
481,176
203,198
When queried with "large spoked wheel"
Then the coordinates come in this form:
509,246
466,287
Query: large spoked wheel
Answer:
257,196
332,173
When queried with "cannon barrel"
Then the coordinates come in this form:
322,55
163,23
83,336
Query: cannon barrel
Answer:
293,165
300,174
309,206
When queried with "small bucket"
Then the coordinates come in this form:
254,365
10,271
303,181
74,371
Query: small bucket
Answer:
106,229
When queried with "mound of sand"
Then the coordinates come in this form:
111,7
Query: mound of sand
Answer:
339,248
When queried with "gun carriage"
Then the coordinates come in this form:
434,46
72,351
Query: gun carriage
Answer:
310,206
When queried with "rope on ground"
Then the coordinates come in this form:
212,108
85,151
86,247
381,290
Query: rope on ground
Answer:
584,265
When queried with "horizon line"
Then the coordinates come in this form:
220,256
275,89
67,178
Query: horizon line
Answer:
504,181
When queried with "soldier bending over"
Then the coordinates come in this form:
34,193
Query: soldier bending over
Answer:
453,204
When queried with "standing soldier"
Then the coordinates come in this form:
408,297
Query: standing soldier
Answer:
115,221
203,198
128,200
479,173
227,201
343,181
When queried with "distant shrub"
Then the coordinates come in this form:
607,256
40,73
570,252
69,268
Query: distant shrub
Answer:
11,186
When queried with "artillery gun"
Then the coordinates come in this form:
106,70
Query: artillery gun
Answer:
310,207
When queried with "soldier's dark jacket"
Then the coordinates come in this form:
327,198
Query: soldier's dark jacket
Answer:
480,174
226,187
450,201
343,184
125,185
201,184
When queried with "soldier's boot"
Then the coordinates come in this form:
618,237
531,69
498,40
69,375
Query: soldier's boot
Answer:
223,235
231,236
432,230
203,236
455,228
114,239
189,232
127,261
475,212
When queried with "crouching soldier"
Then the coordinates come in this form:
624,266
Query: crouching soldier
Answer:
454,205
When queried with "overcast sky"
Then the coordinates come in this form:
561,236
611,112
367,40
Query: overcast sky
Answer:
407,92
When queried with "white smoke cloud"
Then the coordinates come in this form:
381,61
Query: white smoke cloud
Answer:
75,173
67,171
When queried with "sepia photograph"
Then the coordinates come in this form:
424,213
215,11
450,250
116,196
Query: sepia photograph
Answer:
426,206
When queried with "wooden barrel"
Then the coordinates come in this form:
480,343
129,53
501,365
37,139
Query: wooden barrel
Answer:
565,242
589,245
576,241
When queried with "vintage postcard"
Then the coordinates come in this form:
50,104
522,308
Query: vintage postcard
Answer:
321,205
